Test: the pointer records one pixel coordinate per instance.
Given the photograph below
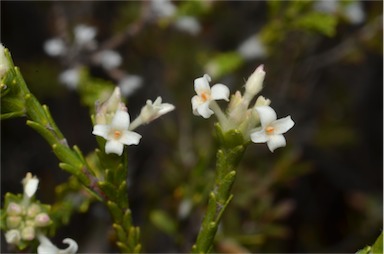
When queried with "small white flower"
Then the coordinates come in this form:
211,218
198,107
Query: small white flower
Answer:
30,185
155,109
271,128
13,236
84,34
109,59
46,247
55,47
206,94
188,24
129,84
70,78
117,133
252,48
4,65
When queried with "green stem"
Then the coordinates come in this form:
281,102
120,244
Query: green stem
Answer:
228,158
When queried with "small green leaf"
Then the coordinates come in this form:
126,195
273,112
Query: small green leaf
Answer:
115,211
120,231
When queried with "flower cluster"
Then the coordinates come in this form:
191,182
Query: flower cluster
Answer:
24,219
258,123
114,125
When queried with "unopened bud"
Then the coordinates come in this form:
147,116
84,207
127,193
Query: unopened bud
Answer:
42,220
33,210
28,233
254,83
13,236
14,209
4,64
13,221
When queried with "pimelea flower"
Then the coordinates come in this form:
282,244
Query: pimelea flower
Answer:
47,247
151,111
129,84
206,94
109,59
55,47
84,35
117,133
4,65
70,78
271,128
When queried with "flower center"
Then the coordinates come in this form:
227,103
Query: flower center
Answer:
117,134
269,130
204,96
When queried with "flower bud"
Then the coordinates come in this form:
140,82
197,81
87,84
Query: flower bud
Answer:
106,111
33,210
4,65
28,233
14,209
254,83
42,220
13,236
30,185
13,221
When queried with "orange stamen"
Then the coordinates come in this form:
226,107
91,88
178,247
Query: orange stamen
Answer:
204,96
269,130
117,134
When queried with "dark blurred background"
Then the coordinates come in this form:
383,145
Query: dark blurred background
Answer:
322,193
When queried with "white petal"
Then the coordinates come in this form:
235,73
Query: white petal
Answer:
202,85
130,138
276,141
165,108
101,130
259,136
220,92
267,115
120,121
71,249
282,125
113,146
31,186
45,246
204,110
196,102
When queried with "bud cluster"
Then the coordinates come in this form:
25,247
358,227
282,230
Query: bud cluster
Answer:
23,217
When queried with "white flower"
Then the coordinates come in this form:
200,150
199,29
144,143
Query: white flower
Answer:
109,59
355,12
271,129
13,236
84,34
188,24
4,65
70,78
30,185
252,48
117,133
206,94
55,47
151,111
129,84
46,247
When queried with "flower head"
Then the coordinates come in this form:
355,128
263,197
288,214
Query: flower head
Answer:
271,128
47,247
117,133
206,94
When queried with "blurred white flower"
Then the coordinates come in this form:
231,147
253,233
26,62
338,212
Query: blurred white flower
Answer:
206,94
326,6
55,47
252,48
354,12
129,84
271,128
47,247
109,59
162,8
117,133
84,35
4,65
70,78
188,24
